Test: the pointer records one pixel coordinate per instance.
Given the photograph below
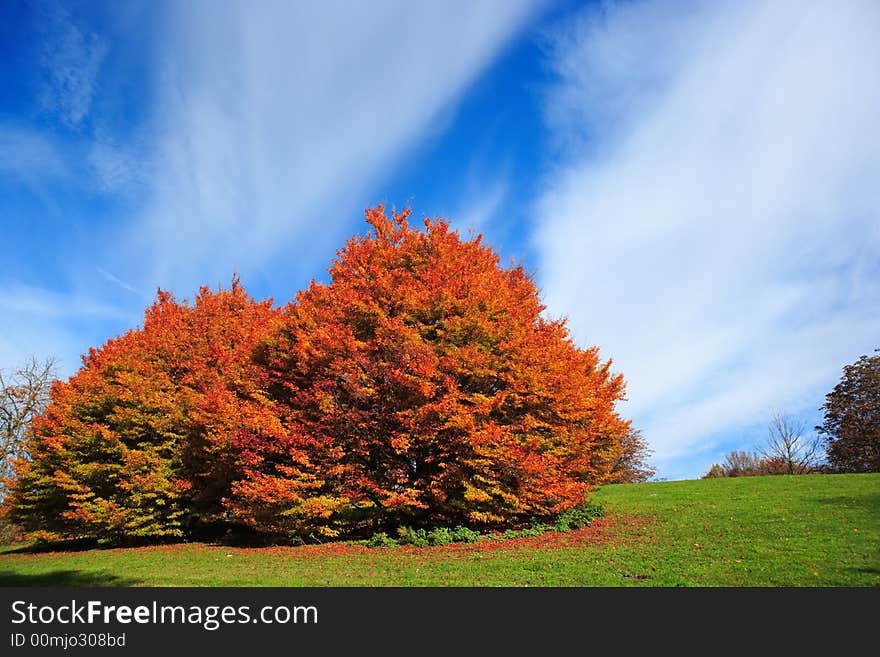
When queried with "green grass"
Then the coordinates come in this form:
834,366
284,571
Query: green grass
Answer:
813,530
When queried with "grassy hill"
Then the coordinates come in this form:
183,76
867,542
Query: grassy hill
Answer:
813,530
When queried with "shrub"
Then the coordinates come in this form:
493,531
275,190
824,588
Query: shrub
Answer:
578,517
410,536
463,534
381,539
440,536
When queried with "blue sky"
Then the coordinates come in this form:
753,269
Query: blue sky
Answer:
693,183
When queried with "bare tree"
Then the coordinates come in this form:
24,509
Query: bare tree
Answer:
632,464
742,464
787,447
23,395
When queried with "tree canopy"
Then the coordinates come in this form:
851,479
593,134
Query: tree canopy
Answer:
851,426
421,385
142,440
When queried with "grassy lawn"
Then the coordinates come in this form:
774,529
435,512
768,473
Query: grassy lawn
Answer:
814,530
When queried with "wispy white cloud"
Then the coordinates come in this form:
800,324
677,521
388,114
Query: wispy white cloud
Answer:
43,341
30,157
266,124
72,58
23,300
121,283
276,117
484,206
115,169
716,226
39,322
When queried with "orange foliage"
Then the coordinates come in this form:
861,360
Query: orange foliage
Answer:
423,384
143,438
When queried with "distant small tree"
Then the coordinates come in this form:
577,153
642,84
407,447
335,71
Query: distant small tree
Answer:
787,449
738,464
852,418
23,395
631,466
741,464
715,472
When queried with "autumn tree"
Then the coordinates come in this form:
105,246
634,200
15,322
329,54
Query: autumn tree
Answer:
851,426
143,439
631,466
24,394
423,384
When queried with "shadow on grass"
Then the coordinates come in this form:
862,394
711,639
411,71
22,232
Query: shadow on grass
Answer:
80,545
867,570
53,546
210,535
868,502
65,578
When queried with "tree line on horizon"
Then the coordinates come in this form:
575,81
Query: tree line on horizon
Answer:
848,440
421,386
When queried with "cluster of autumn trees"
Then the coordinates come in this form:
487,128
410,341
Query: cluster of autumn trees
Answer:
421,385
